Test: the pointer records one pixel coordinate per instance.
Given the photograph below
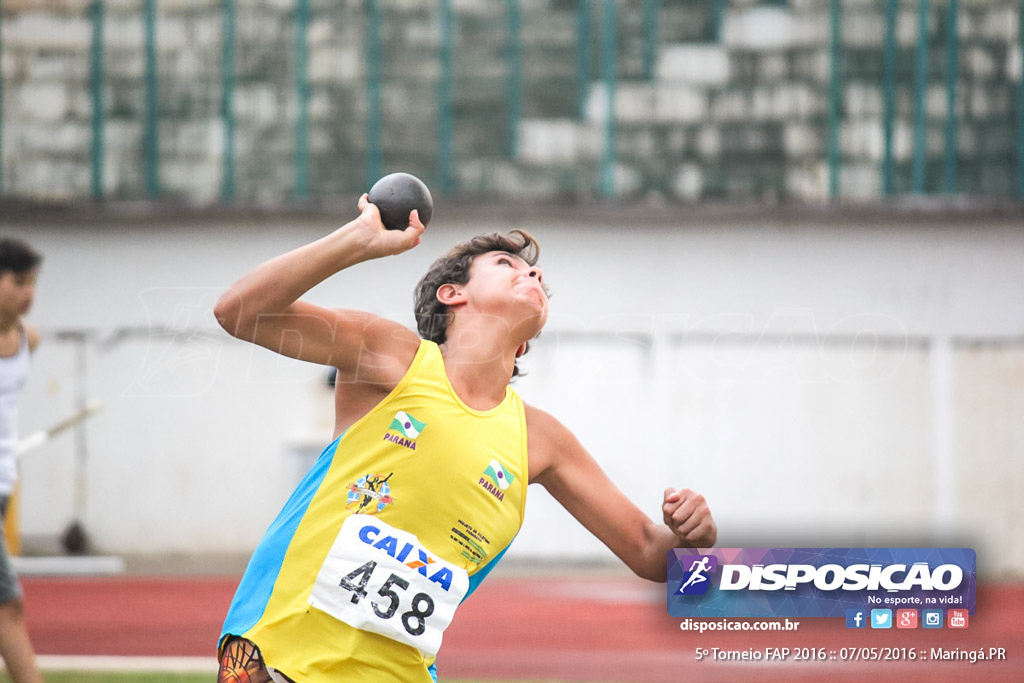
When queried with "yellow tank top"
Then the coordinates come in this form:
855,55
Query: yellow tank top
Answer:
396,523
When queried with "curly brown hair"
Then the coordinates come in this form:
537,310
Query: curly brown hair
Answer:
432,316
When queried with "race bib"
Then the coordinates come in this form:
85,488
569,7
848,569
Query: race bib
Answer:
382,579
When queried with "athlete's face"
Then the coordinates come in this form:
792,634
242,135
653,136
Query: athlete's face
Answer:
500,281
17,290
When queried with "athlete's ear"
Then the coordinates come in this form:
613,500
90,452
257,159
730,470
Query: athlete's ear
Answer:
522,349
450,294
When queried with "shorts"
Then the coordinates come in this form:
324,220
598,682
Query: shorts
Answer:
10,588
241,660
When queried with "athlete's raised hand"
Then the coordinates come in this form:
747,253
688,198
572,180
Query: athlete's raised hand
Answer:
380,241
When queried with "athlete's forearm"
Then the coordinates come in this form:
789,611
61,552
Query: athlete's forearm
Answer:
698,531
652,562
272,287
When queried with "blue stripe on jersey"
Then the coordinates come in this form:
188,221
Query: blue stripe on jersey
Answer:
482,573
257,583
474,582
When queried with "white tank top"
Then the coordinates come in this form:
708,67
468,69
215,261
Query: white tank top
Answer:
13,373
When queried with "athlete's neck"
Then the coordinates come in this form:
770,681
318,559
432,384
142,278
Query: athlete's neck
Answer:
478,376
9,324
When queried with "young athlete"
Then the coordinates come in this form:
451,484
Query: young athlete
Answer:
19,265
423,488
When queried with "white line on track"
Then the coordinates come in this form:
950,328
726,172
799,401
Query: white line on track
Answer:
113,663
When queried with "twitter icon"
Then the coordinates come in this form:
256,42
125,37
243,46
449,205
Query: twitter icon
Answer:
881,618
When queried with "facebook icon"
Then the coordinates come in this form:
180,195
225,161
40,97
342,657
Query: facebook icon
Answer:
856,618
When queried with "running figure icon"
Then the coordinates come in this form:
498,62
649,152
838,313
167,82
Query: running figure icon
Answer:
698,571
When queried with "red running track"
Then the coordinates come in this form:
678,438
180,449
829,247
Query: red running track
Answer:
538,628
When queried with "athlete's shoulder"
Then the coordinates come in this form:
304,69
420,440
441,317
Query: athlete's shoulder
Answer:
537,419
372,349
33,336
548,440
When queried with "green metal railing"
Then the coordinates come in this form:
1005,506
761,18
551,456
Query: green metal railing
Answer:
302,99
514,84
151,138
1020,103
719,7
650,23
1,100
608,63
917,177
583,55
228,186
888,96
599,59
97,85
835,97
952,72
445,99
374,113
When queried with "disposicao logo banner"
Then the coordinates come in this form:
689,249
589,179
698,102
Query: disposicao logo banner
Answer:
817,582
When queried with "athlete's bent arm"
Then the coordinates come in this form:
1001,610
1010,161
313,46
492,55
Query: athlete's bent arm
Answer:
571,475
263,307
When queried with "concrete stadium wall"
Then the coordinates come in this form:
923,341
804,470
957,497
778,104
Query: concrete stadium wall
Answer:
741,111
824,380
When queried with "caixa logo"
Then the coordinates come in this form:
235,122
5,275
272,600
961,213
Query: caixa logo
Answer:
697,575
402,550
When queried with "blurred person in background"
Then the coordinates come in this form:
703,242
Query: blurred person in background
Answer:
424,486
19,266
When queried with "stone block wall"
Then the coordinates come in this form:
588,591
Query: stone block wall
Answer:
732,104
